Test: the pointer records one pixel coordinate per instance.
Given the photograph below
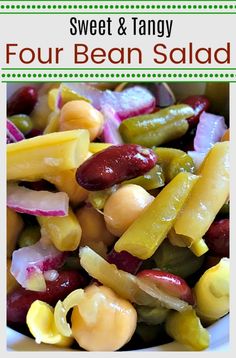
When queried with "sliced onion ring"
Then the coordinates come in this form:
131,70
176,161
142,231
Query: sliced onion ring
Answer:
39,203
62,308
13,133
110,132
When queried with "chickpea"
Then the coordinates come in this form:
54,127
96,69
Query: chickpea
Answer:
212,292
124,206
103,321
80,114
93,227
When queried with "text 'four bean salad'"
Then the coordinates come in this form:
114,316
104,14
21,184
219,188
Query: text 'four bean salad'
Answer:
117,215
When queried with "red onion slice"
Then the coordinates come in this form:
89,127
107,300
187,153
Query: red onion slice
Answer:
13,133
39,203
131,102
35,259
111,132
210,129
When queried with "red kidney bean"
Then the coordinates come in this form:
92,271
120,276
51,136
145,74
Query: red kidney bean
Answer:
172,284
210,261
34,133
19,301
199,104
124,261
114,165
22,101
38,185
217,238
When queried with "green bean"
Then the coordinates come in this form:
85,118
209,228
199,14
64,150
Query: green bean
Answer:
174,161
149,230
151,180
157,128
22,122
29,236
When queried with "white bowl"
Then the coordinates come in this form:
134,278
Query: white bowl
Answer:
219,331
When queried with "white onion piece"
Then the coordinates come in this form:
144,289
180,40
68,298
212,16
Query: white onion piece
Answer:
13,133
210,129
39,203
37,258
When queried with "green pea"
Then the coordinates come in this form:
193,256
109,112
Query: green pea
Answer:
177,260
29,236
151,315
22,122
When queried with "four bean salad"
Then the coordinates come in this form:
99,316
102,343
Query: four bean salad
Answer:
117,215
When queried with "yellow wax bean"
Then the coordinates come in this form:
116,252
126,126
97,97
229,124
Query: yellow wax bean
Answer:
32,159
65,232
121,282
97,147
65,181
212,292
148,231
185,327
40,321
175,240
53,123
207,196
198,248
